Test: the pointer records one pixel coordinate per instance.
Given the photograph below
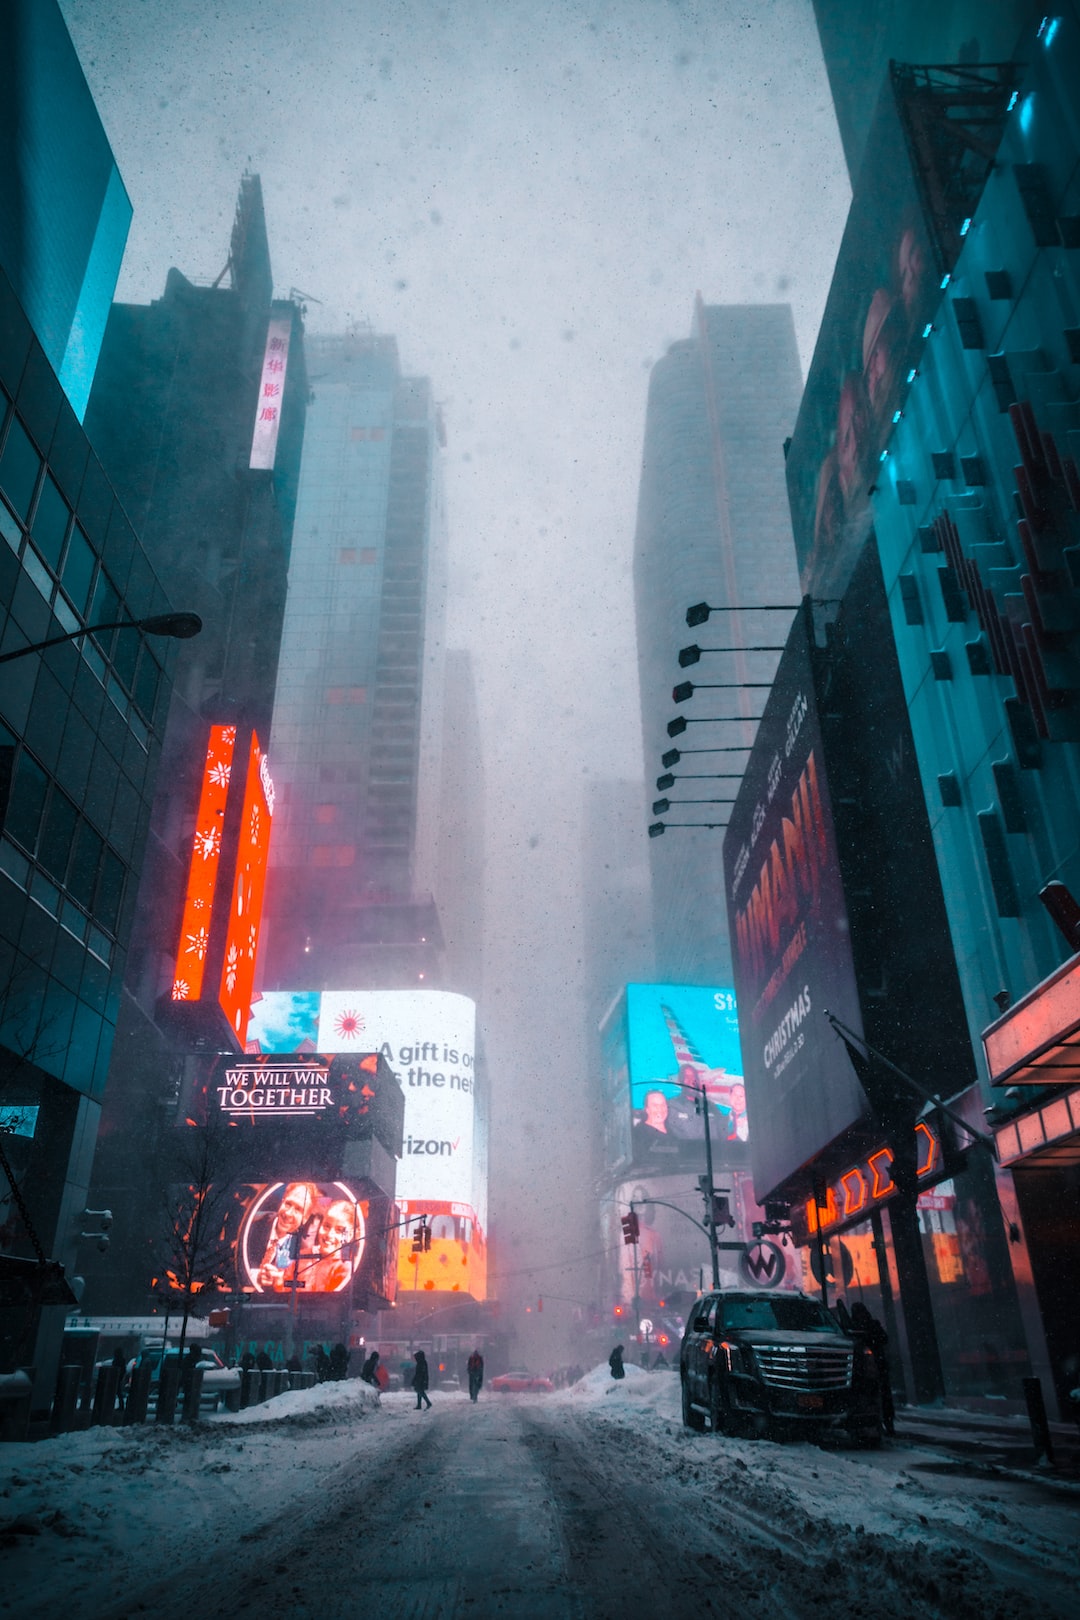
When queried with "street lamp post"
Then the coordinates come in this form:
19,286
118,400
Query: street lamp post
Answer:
177,626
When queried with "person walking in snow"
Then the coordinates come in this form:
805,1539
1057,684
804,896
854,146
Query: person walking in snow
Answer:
421,1379
615,1362
870,1331
367,1371
475,1369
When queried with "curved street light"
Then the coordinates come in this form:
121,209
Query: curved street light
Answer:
657,828
178,626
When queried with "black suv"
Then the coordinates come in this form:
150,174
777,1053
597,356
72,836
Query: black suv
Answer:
754,1363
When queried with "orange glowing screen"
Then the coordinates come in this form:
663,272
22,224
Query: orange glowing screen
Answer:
245,910
202,874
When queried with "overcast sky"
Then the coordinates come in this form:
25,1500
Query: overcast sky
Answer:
528,195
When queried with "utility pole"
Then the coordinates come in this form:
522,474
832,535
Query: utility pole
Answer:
701,1103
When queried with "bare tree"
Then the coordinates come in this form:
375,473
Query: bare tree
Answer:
196,1254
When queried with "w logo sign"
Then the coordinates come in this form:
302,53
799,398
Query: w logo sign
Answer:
763,1264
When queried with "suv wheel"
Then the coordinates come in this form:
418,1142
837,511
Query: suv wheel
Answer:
719,1411
692,1418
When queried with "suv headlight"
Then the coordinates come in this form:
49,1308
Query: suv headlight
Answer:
734,1359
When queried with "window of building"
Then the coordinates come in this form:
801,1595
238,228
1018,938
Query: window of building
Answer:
368,554
19,468
347,554
50,525
325,814
333,854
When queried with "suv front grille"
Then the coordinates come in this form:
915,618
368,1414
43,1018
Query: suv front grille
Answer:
804,1367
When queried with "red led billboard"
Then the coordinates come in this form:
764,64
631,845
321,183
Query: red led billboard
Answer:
205,860
245,910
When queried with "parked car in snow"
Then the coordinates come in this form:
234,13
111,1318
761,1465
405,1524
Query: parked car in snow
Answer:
756,1363
217,1378
519,1382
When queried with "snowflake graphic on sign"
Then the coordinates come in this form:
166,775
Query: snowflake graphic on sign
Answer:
181,990
253,941
232,962
220,775
208,842
197,943
253,829
348,1025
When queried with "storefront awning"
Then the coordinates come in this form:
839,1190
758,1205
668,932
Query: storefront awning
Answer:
1037,1042
1050,1133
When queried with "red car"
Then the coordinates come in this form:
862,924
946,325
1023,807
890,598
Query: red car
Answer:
517,1382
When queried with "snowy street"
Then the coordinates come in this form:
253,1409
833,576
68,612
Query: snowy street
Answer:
590,1502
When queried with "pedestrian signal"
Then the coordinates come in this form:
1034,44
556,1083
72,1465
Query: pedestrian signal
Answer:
631,1227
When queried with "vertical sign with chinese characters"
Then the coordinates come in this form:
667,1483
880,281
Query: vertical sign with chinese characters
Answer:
205,858
271,390
245,911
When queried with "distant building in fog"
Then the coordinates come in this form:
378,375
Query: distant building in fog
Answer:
358,716
713,525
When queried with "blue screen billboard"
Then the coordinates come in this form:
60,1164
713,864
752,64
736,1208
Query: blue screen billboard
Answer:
683,1043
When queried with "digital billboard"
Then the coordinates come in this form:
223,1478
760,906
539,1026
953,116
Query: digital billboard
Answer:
301,1234
219,930
885,289
245,910
683,1043
790,934
203,867
428,1039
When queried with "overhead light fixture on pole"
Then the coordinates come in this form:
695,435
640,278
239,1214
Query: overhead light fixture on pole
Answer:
662,806
673,755
659,827
692,654
700,611
178,626
676,727
686,689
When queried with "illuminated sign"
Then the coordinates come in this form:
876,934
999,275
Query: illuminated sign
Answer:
854,1194
683,1043
245,911
205,859
455,1263
427,1037
271,393
301,1236
1035,1042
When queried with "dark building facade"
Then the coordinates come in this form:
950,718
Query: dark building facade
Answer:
933,497
198,411
80,742
712,523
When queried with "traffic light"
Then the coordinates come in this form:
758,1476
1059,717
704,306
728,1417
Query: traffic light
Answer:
426,1230
631,1227
540,1303
721,1210
646,1266
620,1312
418,1242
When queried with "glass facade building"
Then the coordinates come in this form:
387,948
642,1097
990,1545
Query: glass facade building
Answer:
358,714
64,213
713,524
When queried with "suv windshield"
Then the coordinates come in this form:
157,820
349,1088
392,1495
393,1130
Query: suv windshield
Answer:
787,1315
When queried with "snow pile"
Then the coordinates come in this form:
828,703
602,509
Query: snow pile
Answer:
655,1392
308,1408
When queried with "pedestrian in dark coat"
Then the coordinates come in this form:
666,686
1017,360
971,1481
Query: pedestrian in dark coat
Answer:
119,1365
615,1362
368,1372
870,1330
420,1380
339,1363
475,1368
322,1365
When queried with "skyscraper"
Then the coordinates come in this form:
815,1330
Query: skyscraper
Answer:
64,212
713,525
359,706
181,413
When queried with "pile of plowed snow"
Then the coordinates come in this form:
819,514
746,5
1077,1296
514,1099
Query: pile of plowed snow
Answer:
656,1390
308,1408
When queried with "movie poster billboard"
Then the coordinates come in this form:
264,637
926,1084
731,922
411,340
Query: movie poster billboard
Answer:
683,1048
885,289
790,934
428,1039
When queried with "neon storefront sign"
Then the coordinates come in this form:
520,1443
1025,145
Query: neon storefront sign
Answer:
869,1183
